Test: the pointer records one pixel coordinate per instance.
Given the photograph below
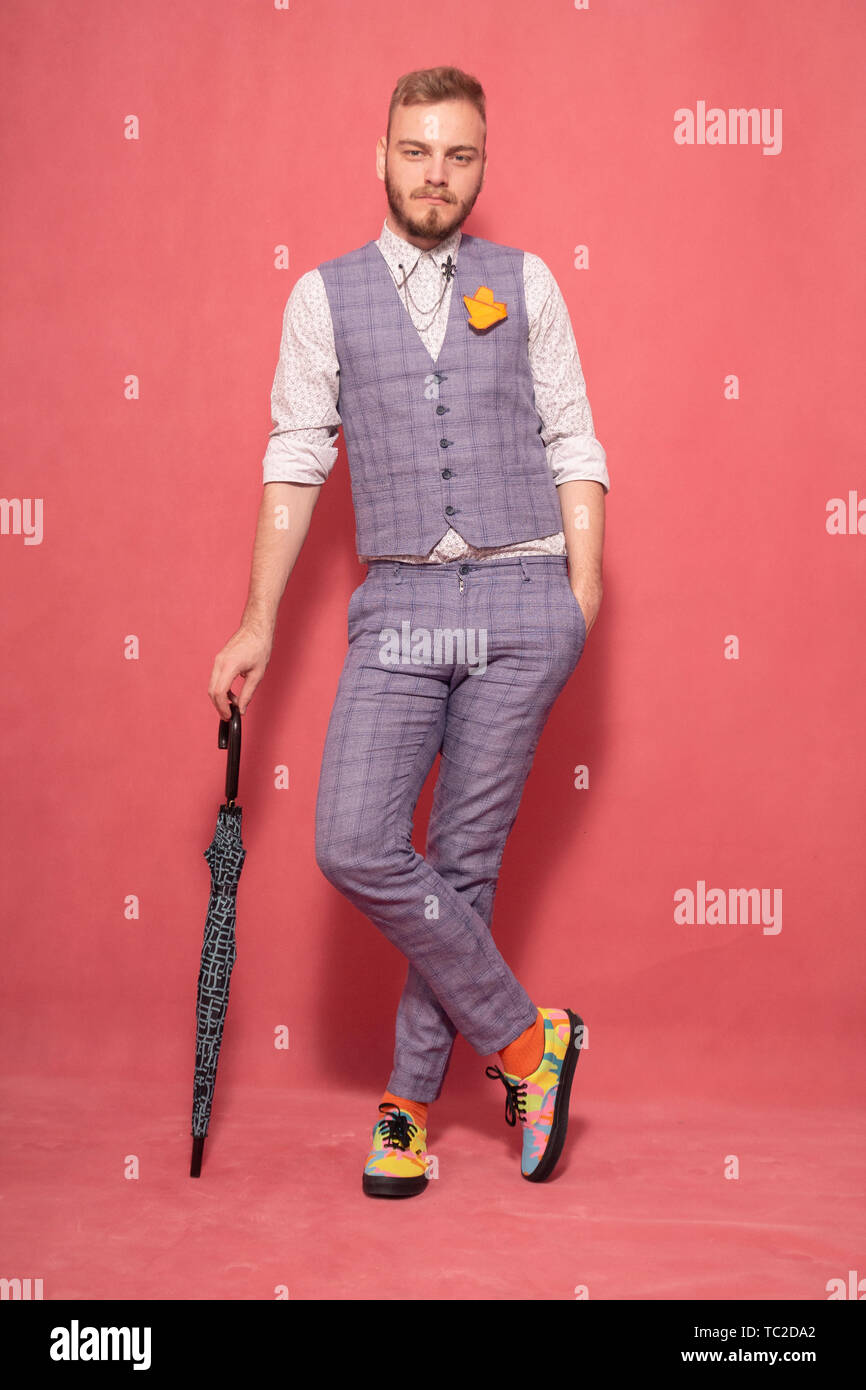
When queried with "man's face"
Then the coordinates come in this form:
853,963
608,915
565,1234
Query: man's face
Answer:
433,169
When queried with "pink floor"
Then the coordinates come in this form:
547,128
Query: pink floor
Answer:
639,1207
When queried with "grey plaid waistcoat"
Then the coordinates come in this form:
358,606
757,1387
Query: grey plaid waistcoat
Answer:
455,443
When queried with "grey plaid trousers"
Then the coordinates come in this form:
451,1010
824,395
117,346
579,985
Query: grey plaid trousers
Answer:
466,658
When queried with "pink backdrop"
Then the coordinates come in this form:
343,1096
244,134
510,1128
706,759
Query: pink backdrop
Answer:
155,258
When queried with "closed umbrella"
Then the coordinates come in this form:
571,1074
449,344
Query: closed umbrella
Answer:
225,855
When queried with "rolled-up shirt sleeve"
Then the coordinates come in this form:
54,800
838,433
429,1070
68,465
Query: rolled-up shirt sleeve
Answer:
302,446
568,433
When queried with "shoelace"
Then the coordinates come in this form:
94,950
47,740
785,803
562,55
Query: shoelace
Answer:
515,1097
397,1128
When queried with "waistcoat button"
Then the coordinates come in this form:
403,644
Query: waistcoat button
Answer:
449,511
446,472
443,443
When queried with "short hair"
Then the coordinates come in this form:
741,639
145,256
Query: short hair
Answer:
426,86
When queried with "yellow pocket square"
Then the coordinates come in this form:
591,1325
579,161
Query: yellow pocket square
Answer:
484,310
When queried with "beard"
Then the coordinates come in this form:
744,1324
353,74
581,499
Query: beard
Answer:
429,220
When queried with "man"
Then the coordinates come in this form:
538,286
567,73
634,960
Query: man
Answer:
478,488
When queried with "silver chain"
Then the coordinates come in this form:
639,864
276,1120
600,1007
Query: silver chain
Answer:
407,294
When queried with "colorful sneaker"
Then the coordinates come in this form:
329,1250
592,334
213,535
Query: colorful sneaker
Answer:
540,1101
397,1163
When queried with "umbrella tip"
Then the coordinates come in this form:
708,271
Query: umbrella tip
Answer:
197,1151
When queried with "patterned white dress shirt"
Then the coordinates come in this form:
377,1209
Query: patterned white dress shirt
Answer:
306,385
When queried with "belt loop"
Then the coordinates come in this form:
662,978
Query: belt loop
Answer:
524,568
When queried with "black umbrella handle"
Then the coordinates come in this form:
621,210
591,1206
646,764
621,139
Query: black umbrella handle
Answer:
230,738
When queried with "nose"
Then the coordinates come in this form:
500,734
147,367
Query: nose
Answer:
434,174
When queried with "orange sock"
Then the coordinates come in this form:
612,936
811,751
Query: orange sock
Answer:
523,1056
417,1108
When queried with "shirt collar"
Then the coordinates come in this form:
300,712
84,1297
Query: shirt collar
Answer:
395,249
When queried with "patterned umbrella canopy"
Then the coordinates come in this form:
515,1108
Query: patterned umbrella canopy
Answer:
225,856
